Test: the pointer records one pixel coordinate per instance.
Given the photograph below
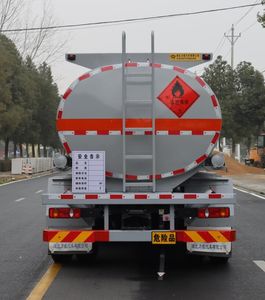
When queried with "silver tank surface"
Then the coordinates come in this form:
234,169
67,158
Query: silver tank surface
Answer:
188,119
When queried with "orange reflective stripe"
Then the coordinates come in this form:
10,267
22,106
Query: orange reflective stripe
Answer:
161,124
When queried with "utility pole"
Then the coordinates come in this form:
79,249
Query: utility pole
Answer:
232,39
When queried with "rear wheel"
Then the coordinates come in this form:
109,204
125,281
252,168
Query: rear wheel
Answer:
219,259
89,257
61,258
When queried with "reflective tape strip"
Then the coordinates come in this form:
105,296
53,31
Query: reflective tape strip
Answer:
200,81
167,130
67,148
138,132
67,93
177,126
138,196
84,236
59,114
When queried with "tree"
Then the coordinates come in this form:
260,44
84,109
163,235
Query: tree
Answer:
251,108
241,93
11,111
9,12
261,18
40,45
31,127
221,78
47,106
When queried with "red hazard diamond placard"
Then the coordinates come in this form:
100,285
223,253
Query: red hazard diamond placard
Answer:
178,96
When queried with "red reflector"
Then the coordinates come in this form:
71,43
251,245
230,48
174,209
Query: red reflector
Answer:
115,196
64,212
165,196
214,212
140,196
215,196
190,196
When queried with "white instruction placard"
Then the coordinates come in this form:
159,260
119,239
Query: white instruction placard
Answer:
88,172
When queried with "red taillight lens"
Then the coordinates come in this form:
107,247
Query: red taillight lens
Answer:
64,212
71,57
214,212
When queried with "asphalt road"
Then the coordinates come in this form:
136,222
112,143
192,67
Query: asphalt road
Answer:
125,271
23,255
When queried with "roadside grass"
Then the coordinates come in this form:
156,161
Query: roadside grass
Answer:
8,179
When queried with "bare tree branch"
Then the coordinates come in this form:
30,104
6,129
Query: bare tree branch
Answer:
42,45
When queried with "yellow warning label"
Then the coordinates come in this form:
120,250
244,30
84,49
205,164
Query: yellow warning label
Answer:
185,56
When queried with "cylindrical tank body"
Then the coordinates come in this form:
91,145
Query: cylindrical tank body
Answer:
187,118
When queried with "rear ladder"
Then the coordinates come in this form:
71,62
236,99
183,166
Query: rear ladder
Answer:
127,104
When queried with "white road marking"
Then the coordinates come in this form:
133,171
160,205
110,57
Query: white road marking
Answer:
250,193
260,264
20,199
38,192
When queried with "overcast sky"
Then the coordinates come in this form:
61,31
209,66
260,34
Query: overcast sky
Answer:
200,33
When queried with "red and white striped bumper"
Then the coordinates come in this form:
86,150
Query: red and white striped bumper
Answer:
91,236
139,198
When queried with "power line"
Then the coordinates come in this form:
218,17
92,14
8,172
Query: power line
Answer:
132,19
227,53
222,41
220,45
245,14
250,26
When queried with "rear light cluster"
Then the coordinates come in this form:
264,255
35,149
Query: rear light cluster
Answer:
64,213
214,212
206,56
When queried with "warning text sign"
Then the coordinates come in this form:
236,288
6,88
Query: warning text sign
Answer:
88,172
185,56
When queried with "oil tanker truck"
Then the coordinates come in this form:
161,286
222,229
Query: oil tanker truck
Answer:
139,130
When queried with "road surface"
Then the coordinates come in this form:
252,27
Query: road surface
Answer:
125,271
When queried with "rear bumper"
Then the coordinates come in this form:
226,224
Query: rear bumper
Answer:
91,236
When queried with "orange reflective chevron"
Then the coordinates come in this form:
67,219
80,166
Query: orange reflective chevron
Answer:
75,236
206,236
59,236
218,236
194,236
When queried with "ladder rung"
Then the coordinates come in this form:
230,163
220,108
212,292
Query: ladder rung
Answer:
138,102
139,184
138,129
138,75
138,82
139,156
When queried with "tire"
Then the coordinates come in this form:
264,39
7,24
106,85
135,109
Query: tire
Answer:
219,259
88,257
61,258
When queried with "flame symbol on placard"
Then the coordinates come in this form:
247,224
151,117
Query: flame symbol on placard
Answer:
177,90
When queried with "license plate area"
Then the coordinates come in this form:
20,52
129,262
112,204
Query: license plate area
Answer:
209,247
68,247
164,237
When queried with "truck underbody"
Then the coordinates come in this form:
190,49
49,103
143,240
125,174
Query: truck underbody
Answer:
198,212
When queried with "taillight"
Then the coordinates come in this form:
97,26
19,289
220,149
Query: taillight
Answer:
71,57
214,212
206,56
64,212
